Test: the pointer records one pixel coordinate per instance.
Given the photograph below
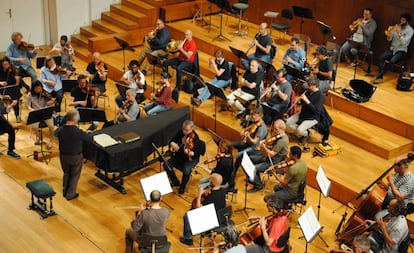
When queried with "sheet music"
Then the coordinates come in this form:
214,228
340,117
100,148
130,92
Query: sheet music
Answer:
105,140
202,219
309,225
323,182
158,182
248,166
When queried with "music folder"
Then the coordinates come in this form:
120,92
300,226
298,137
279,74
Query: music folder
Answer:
128,137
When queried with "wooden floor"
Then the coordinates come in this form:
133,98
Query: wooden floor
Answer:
96,221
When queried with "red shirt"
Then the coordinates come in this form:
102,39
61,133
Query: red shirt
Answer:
188,46
164,98
277,226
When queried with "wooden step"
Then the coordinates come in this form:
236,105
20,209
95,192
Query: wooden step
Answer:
90,31
119,20
107,26
80,39
375,139
160,3
148,9
132,14
82,52
185,10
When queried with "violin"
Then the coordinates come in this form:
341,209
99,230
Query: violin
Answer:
251,129
59,70
214,158
202,198
280,166
126,104
270,141
161,88
189,144
26,46
91,90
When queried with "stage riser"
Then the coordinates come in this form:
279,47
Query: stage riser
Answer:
185,10
143,19
119,21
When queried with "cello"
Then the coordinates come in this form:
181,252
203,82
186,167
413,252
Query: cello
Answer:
368,208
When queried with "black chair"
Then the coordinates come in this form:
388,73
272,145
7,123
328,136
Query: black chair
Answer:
151,244
284,26
284,241
300,199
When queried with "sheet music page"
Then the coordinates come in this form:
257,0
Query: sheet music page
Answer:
248,166
202,219
323,182
309,224
158,182
105,140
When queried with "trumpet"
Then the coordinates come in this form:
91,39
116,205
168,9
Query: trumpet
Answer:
355,24
172,46
390,30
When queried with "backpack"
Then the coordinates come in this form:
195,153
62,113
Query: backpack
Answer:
404,81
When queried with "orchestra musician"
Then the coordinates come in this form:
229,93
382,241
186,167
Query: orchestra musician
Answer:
400,36
224,165
187,148
400,184
272,228
51,77
263,43
37,99
309,116
66,51
231,242
280,93
185,60
249,88
272,151
252,135
150,219
294,57
129,110
97,72
222,79
363,30
324,69
389,235
84,95
9,77
20,53
360,244
134,79
212,194
6,127
287,185
158,40
162,98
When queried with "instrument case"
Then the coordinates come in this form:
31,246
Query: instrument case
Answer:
361,91
330,149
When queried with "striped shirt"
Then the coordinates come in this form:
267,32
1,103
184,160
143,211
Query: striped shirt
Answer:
405,185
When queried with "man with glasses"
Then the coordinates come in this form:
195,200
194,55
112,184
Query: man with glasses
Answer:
157,40
294,57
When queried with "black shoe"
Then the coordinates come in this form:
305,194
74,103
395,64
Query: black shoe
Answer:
189,242
74,197
180,191
255,189
240,115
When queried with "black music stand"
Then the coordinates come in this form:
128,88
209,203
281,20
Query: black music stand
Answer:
325,30
69,84
240,55
40,61
268,110
124,46
91,114
222,5
296,73
302,12
216,92
121,89
153,60
215,137
12,90
39,116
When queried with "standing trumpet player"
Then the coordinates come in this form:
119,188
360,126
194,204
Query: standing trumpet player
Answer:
400,37
263,43
157,40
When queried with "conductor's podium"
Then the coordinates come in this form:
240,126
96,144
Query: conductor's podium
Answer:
42,191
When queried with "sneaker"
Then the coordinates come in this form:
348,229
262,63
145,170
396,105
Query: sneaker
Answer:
195,101
13,154
303,140
73,197
18,119
188,242
377,81
353,64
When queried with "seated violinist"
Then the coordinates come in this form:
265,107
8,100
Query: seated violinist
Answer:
133,79
38,99
6,127
287,186
272,228
272,151
149,220
9,77
360,244
84,96
162,99
231,242
224,165
213,194
51,77
129,110
97,72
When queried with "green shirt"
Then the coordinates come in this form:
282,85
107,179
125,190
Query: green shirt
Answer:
296,174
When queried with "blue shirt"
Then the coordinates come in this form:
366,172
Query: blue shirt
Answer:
13,52
45,75
296,55
401,43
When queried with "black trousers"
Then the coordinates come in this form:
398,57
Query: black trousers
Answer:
5,127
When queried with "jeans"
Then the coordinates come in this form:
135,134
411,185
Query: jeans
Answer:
184,166
392,59
179,67
246,63
302,129
59,96
349,51
154,108
30,72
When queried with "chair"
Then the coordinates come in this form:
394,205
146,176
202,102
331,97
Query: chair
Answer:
284,241
154,243
284,26
233,74
300,199
271,15
240,7
334,52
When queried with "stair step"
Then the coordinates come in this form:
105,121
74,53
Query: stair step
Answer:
80,39
128,12
91,31
368,136
148,9
81,52
107,26
119,20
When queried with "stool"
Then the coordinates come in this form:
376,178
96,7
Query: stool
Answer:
241,8
271,15
42,191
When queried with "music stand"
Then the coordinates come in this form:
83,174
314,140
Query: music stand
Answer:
296,73
309,225
91,114
325,30
124,46
40,61
158,182
268,110
222,5
39,116
216,92
121,89
302,12
153,60
240,55
11,90
324,187
216,138
249,169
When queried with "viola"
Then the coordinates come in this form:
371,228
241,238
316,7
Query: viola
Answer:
161,88
215,158
280,166
59,70
202,198
91,90
126,104
189,144
26,46
251,129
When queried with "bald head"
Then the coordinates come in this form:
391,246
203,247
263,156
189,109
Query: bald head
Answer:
215,180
